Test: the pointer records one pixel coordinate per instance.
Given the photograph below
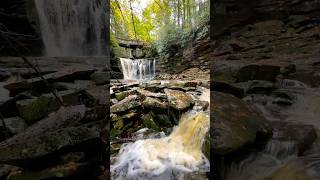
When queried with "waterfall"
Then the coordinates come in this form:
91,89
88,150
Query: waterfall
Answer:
167,157
138,69
73,27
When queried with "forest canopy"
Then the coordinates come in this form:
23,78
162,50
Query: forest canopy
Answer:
156,20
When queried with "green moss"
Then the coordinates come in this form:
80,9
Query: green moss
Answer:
148,121
121,95
36,110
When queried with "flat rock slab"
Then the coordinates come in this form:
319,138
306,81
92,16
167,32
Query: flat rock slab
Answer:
59,131
68,74
129,102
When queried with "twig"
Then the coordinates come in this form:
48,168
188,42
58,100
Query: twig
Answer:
44,80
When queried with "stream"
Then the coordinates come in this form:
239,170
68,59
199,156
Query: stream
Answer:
173,154
280,158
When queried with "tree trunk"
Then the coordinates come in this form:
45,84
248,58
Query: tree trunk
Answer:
178,13
134,27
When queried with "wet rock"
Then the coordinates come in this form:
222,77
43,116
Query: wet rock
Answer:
4,94
5,170
235,124
256,86
60,130
257,72
151,94
203,105
99,94
129,102
68,170
227,88
184,85
149,122
294,170
164,119
77,85
178,99
153,86
154,103
100,78
4,75
288,69
25,154
301,135
14,125
9,107
129,115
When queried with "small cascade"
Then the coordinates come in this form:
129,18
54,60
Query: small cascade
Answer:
73,27
138,69
167,157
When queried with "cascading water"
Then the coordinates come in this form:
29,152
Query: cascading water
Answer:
281,159
73,27
138,69
168,157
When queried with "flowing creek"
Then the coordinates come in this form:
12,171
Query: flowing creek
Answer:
282,159
177,155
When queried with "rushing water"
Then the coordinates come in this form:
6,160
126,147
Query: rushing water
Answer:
168,157
73,27
138,69
280,159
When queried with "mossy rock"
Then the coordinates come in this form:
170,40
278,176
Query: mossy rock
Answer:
32,110
121,95
115,132
149,122
118,124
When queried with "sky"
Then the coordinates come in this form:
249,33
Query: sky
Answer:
139,6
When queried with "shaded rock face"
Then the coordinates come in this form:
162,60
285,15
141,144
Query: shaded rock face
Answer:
228,13
19,17
235,124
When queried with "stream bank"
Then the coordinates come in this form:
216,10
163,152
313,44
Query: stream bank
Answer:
265,59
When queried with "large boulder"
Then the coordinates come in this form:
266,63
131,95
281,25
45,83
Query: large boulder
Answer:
235,124
178,99
300,135
154,103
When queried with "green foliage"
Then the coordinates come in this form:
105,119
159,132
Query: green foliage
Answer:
163,23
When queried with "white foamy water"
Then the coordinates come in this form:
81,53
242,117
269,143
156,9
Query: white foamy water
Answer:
73,27
168,157
138,69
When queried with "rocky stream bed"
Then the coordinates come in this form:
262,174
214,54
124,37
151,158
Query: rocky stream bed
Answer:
53,131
